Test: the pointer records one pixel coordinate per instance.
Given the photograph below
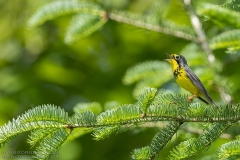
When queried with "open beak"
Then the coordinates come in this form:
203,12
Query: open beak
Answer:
170,57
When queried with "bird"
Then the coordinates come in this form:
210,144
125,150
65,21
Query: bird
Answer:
188,80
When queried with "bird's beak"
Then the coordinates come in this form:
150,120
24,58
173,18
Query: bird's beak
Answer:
170,58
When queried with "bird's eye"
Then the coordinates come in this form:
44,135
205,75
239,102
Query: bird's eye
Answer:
177,57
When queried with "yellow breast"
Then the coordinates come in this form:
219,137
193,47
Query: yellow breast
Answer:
184,81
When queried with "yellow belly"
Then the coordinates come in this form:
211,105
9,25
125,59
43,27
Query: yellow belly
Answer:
185,83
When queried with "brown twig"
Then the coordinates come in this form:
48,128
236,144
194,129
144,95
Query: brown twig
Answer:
148,26
202,39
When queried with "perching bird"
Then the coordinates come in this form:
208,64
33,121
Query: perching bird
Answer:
187,79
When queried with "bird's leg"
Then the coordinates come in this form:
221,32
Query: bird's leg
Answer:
191,97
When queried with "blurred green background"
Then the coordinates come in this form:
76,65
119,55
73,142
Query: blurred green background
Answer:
37,67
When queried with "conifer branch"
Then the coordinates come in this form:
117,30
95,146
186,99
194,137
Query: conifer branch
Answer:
229,150
131,20
194,146
51,125
183,128
160,140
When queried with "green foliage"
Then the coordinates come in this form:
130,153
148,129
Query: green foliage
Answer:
95,61
233,5
176,153
39,134
159,9
163,137
51,126
220,14
146,98
229,150
86,118
147,74
60,8
193,146
225,39
46,116
82,26
104,132
141,153
44,113
233,49
119,115
95,107
151,23
50,145
90,17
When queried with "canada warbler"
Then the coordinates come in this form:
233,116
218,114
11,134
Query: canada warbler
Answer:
187,79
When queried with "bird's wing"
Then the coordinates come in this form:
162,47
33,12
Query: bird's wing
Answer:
196,81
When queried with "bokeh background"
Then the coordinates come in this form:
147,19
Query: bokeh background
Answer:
37,67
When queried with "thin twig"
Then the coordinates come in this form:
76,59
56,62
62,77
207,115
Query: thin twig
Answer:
199,31
204,44
156,28
155,118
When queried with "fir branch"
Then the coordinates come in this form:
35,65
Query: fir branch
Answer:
143,22
228,150
200,131
179,152
185,128
119,115
59,8
160,140
163,137
44,113
194,146
46,116
234,5
51,145
39,134
14,128
159,10
104,132
220,14
166,107
147,74
170,99
85,119
83,25
233,49
95,107
226,39
146,98
49,123
145,70
141,153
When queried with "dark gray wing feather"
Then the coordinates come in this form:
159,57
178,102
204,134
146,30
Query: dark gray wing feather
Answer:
196,81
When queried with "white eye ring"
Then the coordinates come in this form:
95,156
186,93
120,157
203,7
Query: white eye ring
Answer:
177,57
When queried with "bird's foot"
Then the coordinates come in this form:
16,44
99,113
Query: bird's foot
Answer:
190,99
143,115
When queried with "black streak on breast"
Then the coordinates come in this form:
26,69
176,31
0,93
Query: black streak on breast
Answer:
177,72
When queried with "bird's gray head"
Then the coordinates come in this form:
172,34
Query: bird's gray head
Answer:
180,59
